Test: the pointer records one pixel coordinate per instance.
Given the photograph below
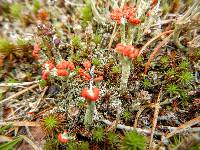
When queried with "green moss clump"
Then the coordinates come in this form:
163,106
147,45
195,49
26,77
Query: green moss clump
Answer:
97,39
42,83
126,115
184,65
133,141
36,5
5,46
76,41
186,77
21,42
96,62
112,138
16,10
115,69
83,146
51,144
146,83
98,134
71,145
50,122
86,13
172,89
171,72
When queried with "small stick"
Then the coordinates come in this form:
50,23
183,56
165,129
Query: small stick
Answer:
153,39
128,128
156,112
183,127
21,123
19,93
74,4
18,84
112,36
155,51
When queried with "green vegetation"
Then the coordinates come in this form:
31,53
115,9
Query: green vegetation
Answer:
16,10
5,46
172,89
112,138
86,13
116,69
126,115
133,141
186,77
76,41
50,122
98,134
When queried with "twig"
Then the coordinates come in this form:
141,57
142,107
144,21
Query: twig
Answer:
163,22
189,142
74,4
21,123
112,36
183,127
41,96
153,39
155,51
29,141
128,128
157,106
18,93
18,84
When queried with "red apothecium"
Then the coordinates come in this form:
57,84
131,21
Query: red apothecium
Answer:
63,137
116,15
87,64
90,94
45,75
62,72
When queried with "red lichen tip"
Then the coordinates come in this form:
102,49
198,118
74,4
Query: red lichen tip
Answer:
117,15
62,72
45,75
63,138
87,64
91,95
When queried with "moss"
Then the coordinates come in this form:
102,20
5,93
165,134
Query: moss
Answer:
51,144
71,145
76,41
83,146
5,45
172,89
165,7
186,77
184,65
171,72
96,62
133,141
126,115
16,10
164,60
86,13
116,69
36,5
147,83
97,39
139,59
50,122
21,42
98,134
112,138
42,83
